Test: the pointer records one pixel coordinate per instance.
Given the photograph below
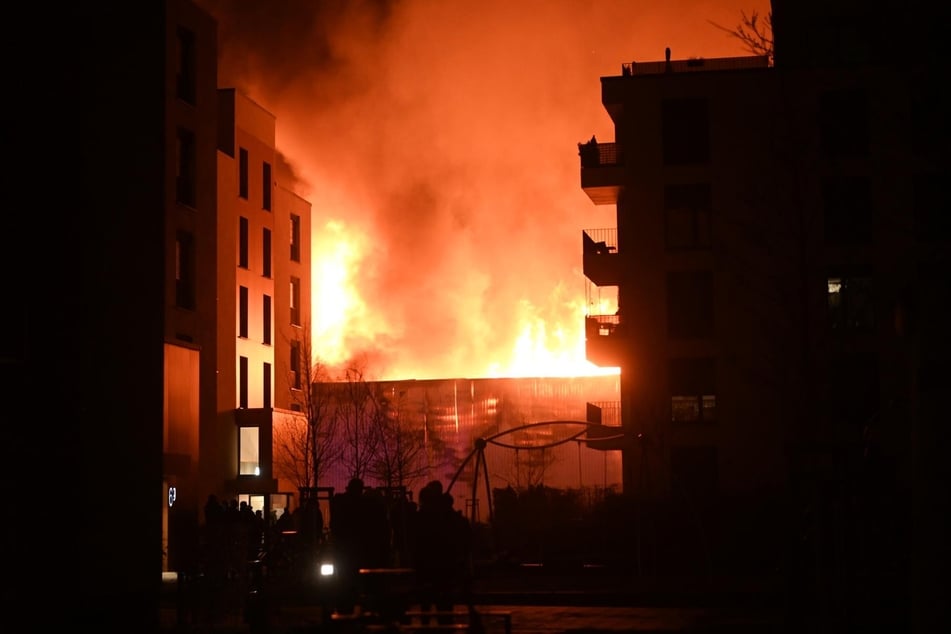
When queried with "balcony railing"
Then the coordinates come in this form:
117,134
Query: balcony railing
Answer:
602,171
695,65
599,241
601,325
594,154
608,412
600,257
605,341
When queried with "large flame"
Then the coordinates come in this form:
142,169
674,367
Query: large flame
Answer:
437,145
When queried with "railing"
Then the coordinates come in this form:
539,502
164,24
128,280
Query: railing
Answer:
594,154
610,412
599,241
695,65
602,325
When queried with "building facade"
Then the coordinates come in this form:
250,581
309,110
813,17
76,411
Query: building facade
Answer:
780,227
198,270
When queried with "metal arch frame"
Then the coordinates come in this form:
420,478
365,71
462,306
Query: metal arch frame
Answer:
479,452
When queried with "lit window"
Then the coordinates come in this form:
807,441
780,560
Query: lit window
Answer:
249,451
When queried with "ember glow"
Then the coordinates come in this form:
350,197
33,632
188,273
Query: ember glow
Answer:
437,143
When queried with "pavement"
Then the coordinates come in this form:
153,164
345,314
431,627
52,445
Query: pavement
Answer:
593,602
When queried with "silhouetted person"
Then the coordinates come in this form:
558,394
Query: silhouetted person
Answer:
352,536
441,552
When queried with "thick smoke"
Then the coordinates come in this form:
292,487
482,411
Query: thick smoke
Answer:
439,139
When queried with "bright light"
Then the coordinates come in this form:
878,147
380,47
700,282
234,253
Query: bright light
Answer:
337,304
326,570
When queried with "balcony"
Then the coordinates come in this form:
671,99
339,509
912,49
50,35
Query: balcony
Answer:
605,342
601,171
600,258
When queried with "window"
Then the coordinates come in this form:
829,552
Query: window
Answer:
266,181
687,216
295,301
249,451
185,78
267,319
693,394
243,311
185,270
186,168
267,384
243,242
850,303
843,123
295,365
243,382
847,209
693,470
853,389
689,304
295,237
266,251
932,208
243,173
685,131
929,121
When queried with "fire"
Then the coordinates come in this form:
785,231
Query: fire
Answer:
550,350
336,301
544,342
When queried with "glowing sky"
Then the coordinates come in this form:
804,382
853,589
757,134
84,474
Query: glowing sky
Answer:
437,142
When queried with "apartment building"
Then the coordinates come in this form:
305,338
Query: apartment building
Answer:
197,269
263,290
777,226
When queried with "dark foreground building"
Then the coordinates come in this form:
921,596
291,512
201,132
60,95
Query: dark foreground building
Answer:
781,266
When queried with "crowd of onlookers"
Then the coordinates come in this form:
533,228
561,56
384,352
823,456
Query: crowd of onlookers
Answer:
366,529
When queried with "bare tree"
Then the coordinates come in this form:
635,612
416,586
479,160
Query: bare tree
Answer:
360,438
401,457
755,34
304,446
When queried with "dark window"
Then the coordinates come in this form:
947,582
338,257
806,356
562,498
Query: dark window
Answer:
267,319
687,216
243,242
843,123
693,394
266,178
295,301
686,131
929,119
243,173
295,237
267,385
186,77
185,270
243,382
932,208
693,470
186,168
853,390
851,304
266,240
689,304
243,311
847,209
295,365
